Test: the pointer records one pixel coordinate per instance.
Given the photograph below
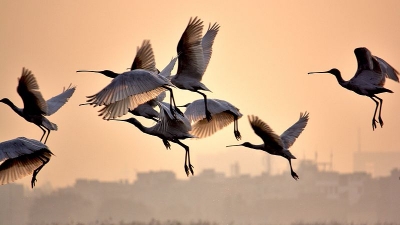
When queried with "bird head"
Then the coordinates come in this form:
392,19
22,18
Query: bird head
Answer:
333,71
107,73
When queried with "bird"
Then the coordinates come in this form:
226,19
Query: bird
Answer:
369,79
144,59
273,143
20,157
130,89
168,129
35,107
194,54
222,112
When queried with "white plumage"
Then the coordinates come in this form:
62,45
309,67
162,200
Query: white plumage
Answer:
223,113
20,157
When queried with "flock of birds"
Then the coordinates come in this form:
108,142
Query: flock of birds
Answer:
143,88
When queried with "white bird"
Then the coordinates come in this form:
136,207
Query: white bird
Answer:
369,79
168,129
130,89
274,144
222,112
194,56
35,107
20,157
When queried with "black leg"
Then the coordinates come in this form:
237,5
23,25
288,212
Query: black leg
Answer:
236,129
373,118
208,114
294,175
380,110
48,133
187,158
44,132
172,103
37,170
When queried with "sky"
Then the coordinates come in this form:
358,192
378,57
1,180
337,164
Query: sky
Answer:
261,57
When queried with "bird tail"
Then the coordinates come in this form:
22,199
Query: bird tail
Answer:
287,154
382,90
49,125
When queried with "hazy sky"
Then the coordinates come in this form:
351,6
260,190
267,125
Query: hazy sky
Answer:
260,61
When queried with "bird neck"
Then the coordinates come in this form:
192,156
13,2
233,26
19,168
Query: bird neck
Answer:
140,126
340,79
13,107
250,145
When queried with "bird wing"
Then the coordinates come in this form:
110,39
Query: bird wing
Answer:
56,102
387,69
144,58
289,136
136,82
20,157
270,138
28,89
191,58
166,72
204,128
168,121
207,43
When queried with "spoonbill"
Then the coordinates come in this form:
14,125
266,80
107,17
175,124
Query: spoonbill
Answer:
35,107
274,144
168,129
369,79
20,157
222,112
130,89
194,56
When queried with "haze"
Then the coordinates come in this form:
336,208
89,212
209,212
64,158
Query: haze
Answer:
261,57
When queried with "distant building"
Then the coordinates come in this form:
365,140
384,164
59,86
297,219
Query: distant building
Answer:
376,163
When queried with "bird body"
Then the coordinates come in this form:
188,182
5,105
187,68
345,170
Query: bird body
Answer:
130,89
223,113
369,78
168,128
194,55
20,157
35,107
273,143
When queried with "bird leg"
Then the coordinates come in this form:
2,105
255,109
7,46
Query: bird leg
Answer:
187,158
48,133
36,171
380,110
294,175
167,144
208,114
172,103
376,108
236,129
44,132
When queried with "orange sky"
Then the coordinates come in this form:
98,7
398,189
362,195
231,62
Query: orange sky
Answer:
260,61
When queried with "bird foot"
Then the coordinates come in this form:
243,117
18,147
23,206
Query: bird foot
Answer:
380,121
208,116
237,135
294,175
34,180
191,169
374,124
186,170
167,144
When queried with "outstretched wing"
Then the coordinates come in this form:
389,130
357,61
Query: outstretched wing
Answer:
270,138
207,43
56,102
166,72
289,136
144,58
28,89
387,69
191,58
20,157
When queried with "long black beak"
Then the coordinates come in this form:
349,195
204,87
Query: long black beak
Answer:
318,72
233,145
89,71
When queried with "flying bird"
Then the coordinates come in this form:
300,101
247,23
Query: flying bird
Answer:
369,79
168,129
222,112
35,107
194,55
20,157
130,89
273,143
